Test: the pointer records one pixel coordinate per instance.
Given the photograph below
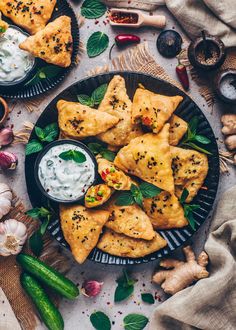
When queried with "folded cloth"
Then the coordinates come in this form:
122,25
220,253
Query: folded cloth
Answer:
216,17
210,303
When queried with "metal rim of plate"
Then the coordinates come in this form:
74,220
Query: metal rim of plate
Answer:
186,110
24,92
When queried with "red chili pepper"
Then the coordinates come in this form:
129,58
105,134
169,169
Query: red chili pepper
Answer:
124,40
146,121
103,175
182,75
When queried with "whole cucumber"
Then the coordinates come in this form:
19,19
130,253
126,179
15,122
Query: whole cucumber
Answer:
48,276
47,310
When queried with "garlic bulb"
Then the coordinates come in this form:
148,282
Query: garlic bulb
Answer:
5,199
12,237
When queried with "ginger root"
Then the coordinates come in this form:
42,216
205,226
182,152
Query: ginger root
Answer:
230,142
181,274
229,124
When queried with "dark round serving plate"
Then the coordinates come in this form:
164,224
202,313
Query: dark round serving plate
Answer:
186,110
21,91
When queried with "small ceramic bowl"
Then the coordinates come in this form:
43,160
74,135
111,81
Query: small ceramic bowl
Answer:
28,75
196,56
225,83
45,150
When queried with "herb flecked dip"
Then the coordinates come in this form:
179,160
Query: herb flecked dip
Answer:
65,180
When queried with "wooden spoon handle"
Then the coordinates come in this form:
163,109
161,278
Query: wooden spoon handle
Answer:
158,21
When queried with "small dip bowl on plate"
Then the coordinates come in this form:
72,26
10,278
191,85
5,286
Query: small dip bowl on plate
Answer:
16,65
64,171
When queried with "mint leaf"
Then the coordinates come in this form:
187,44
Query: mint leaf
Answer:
108,154
135,322
97,44
202,139
147,298
95,148
193,124
196,147
98,94
39,132
36,243
85,100
148,190
32,147
100,321
74,155
48,71
125,198
184,196
93,9
137,195
125,287
123,293
2,29
51,132
39,212
189,216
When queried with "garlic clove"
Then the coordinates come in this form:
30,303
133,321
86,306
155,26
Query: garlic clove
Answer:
6,136
13,235
91,288
8,160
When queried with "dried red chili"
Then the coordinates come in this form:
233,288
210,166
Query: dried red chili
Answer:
124,18
182,74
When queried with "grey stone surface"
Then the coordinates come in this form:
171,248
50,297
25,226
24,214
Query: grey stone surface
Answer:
76,313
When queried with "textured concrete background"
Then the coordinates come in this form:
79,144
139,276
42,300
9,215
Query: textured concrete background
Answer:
76,313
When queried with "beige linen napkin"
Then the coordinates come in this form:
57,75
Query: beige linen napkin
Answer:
217,17
211,303
8,320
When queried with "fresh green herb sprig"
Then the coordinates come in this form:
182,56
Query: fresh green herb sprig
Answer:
97,44
135,322
188,208
96,97
191,138
100,321
124,288
48,71
137,194
148,298
45,135
36,240
74,155
93,9
2,29
97,148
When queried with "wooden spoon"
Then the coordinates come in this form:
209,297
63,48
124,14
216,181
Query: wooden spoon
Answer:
158,21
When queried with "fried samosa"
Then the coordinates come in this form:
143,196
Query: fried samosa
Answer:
153,110
97,195
190,169
112,175
178,127
165,211
123,246
148,157
79,121
116,102
53,44
81,228
31,15
129,220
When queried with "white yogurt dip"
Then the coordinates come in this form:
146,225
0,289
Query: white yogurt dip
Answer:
14,62
65,179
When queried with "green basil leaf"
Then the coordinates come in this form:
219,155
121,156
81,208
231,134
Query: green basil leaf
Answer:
202,139
135,322
148,190
125,198
196,147
123,292
95,148
85,100
97,44
39,132
99,93
36,243
184,196
49,71
79,157
148,298
108,154
93,9
51,132
100,321
193,124
32,147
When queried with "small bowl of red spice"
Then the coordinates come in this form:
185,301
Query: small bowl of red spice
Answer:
207,52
